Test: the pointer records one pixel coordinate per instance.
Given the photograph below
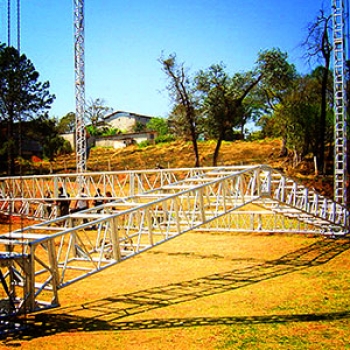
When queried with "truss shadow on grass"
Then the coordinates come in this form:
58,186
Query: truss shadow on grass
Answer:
46,325
106,314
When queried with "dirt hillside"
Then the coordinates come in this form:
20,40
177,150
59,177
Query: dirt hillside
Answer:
180,154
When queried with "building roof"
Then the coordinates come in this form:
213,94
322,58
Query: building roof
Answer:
118,114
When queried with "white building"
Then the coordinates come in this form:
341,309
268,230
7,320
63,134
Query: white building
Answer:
123,140
126,121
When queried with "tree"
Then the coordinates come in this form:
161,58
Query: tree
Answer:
222,101
96,111
22,96
276,73
278,79
46,132
182,92
296,118
319,48
67,123
160,125
228,102
178,123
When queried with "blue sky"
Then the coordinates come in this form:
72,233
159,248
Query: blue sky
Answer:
124,40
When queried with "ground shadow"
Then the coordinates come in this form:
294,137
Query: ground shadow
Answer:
109,312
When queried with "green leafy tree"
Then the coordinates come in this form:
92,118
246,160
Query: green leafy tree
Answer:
276,74
178,123
160,125
222,103
67,123
278,79
296,119
22,97
229,102
46,132
52,142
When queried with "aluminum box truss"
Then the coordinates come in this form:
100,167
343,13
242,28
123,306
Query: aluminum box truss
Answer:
340,137
79,50
27,195
39,260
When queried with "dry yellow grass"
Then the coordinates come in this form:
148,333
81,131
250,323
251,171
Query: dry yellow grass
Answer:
173,155
208,291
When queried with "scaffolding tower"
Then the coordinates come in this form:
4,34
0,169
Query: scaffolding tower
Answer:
340,137
80,136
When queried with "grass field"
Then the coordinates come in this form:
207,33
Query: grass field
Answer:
207,291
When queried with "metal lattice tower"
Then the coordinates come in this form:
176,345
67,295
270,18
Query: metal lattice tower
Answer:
340,146
80,85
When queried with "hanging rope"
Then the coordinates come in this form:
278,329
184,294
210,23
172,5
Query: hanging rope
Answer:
19,26
8,22
20,132
347,29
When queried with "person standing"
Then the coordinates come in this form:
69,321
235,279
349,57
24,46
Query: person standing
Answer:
63,202
98,199
48,204
81,203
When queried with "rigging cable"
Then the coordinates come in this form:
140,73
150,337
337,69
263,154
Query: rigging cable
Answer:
8,22
19,26
20,142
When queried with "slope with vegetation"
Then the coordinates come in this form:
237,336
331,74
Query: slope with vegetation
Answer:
179,154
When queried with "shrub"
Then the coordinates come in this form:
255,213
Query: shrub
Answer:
164,138
110,132
143,144
255,135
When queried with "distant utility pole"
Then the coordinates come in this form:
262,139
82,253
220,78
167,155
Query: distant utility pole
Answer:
80,136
